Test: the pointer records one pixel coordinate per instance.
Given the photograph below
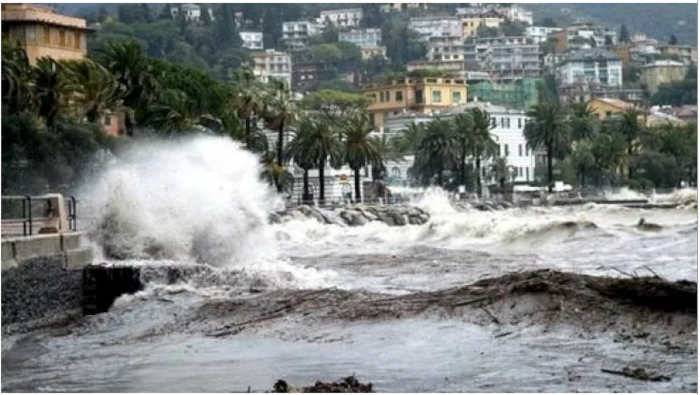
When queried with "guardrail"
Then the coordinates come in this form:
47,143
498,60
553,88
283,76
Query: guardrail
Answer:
28,215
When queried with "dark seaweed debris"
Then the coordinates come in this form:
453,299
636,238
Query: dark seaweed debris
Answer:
348,384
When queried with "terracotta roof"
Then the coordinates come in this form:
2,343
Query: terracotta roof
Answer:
40,14
621,104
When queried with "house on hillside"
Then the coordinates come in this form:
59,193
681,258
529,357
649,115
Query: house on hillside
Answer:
42,32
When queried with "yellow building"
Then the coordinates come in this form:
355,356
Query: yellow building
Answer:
42,32
661,72
472,23
421,95
605,107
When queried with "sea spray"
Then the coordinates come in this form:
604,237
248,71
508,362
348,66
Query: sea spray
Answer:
194,199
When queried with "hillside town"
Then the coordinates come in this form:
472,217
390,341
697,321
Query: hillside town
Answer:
349,197
493,58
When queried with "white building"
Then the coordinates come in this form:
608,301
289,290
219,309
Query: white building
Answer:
596,66
445,48
272,64
296,34
505,58
363,38
507,131
432,26
346,17
252,40
516,14
191,12
540,34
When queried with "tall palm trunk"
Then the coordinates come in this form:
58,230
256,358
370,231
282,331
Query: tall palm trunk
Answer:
463,165
280,142
549,167
247,128
439,174
629,160
321,179
358,198
478,174
305,195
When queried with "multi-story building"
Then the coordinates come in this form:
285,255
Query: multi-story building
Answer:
516,14
540,34
362,37
684,53
296,34
471,23
504,58
403,6
521,94
272,64
593,66
344,18
191,12
421,95
583,36
42,32
445,48
252,40
432,26
661,72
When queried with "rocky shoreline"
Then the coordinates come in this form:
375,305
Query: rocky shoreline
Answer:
356,215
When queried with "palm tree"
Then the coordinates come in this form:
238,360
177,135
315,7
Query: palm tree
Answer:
481,142
360,148
172,112
298,150
630,128
411,138
583,121
95,90
279,112
546,128
134,72
17,80
463,127
49,88
324,145
438,148
248,98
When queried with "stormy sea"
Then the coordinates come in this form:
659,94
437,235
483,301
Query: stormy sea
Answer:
525,299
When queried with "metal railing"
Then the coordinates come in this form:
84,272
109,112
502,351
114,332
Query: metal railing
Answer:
26,215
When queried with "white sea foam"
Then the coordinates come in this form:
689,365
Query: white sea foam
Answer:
190,199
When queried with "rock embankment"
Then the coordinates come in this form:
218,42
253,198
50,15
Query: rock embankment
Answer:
356,215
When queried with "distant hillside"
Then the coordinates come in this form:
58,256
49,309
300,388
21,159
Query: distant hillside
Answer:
655,20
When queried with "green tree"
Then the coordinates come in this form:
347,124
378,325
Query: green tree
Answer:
279,113
582,121
94,89
546,128
360,149
464,127
481,142
323,146
299,150
624,36
17,80
437,151
49,89
582,160
629,126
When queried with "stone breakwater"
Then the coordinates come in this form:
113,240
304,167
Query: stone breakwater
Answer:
356,215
